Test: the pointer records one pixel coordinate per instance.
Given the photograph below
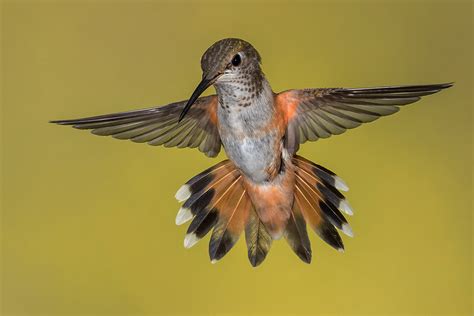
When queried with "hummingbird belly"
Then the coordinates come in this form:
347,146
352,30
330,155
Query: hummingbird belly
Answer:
258,157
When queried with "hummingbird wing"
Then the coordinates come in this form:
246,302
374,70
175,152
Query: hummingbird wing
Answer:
160,126
319,113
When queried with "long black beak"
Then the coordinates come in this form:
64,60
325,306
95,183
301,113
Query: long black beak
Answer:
203,85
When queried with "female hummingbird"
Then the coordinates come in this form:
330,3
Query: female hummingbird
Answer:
264,188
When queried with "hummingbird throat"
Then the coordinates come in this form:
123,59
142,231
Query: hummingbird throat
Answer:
243,91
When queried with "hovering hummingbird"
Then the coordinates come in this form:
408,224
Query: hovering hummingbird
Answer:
264,188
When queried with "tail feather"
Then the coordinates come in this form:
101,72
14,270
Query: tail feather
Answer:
201,180
321,173
200,226
320,201
207,215
324,181
232,218
323,205
297,236
313,216
258,239
204,192
323,188
329,234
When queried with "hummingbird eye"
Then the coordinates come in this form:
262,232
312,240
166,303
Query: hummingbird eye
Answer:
236,60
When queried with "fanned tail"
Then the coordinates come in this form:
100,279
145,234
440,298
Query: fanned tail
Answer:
216,199
220,200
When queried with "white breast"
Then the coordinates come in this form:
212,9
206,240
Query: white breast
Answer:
245,137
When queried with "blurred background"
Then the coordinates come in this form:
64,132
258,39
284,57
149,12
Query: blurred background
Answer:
88,222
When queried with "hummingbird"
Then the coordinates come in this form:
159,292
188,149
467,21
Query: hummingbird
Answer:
264,189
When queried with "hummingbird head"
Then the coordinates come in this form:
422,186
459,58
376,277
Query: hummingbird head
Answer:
227,60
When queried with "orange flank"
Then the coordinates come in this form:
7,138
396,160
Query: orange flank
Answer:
287,104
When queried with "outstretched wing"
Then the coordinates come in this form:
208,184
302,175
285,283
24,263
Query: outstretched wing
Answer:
160,126
319,113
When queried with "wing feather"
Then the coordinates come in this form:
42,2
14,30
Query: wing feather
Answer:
319,113
160,126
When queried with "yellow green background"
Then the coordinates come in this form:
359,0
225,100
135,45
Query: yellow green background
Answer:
88,222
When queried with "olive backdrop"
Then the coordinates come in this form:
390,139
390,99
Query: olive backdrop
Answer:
88,222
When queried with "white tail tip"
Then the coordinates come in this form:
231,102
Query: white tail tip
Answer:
184,215
346,229
345,207
340,184
183,193
190,240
